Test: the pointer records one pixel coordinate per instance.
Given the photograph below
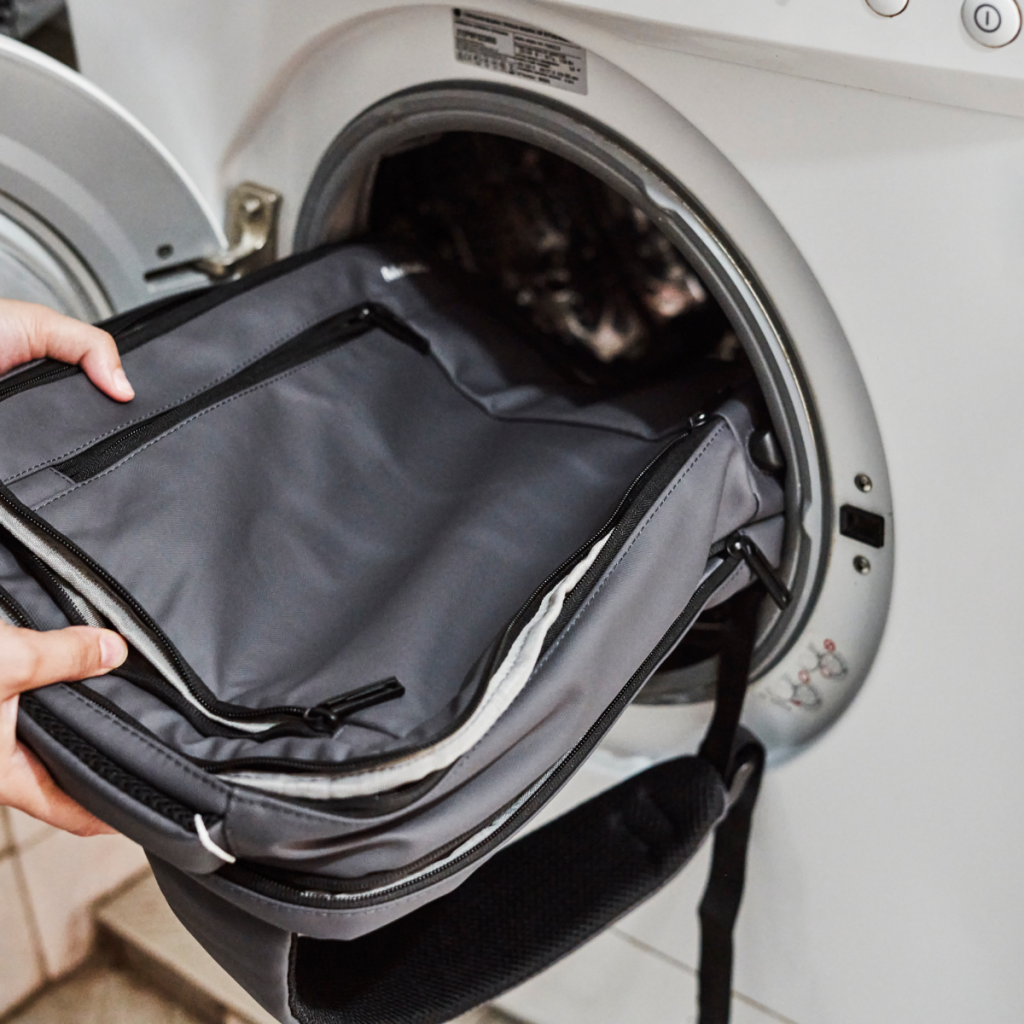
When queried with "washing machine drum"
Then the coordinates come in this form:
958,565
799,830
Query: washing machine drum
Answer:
388,573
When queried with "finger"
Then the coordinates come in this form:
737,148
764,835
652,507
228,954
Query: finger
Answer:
30,331
27,786
29,659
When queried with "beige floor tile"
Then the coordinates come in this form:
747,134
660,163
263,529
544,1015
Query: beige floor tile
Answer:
20,971
65,875
5,831
140,918
102,996
26,831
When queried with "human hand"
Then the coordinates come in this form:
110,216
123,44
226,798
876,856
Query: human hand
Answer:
28,331
30,659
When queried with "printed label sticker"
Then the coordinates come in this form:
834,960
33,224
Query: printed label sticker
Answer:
523,51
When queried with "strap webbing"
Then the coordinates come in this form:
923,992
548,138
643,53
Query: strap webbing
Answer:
739,758
733,673
721,903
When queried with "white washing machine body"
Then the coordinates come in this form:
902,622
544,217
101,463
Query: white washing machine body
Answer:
863,178
92,206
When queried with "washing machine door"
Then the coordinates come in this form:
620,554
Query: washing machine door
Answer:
92,208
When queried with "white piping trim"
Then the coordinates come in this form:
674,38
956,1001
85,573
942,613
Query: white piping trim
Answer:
502,689
209,844
119,616
474,841
85,609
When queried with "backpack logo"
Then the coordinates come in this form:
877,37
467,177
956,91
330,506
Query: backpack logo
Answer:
396,271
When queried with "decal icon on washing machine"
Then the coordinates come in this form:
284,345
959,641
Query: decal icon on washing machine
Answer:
821,666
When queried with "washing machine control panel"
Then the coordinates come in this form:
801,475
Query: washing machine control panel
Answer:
991,22
967,54
888,8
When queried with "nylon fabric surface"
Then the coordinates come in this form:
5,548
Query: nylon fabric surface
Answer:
274,519
376,511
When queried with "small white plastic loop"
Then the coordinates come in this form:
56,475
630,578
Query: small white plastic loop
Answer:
209,844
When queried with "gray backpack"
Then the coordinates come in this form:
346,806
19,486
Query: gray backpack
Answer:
388,573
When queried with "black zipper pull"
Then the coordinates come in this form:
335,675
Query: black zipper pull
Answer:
741,546
329,715
382,317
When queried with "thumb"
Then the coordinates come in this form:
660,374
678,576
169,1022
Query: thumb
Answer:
29,659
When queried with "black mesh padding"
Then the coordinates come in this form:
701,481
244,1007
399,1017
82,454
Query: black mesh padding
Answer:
530,905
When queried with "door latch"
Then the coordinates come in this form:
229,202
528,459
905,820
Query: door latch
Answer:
250,223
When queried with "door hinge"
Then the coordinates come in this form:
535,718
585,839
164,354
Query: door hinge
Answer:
250,223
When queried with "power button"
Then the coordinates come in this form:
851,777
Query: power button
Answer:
991,22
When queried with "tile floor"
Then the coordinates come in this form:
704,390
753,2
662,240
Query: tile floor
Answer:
21,965
49,881
145,970
101,994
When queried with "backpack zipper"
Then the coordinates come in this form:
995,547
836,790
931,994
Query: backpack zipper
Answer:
464,851
141,631
135,327
307,345
189,695
631,505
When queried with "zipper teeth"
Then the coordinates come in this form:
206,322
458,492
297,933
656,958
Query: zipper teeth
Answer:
555,776
106,769
14,609
44,378
302,348
610,524
257,763
368,321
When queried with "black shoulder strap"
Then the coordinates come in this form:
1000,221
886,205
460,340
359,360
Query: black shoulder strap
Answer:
546,894
738,757
721,903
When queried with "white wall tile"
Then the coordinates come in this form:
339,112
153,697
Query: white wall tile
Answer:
612,981
20,971
65,875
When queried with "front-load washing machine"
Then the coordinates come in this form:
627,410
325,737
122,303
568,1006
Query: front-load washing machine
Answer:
841,189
